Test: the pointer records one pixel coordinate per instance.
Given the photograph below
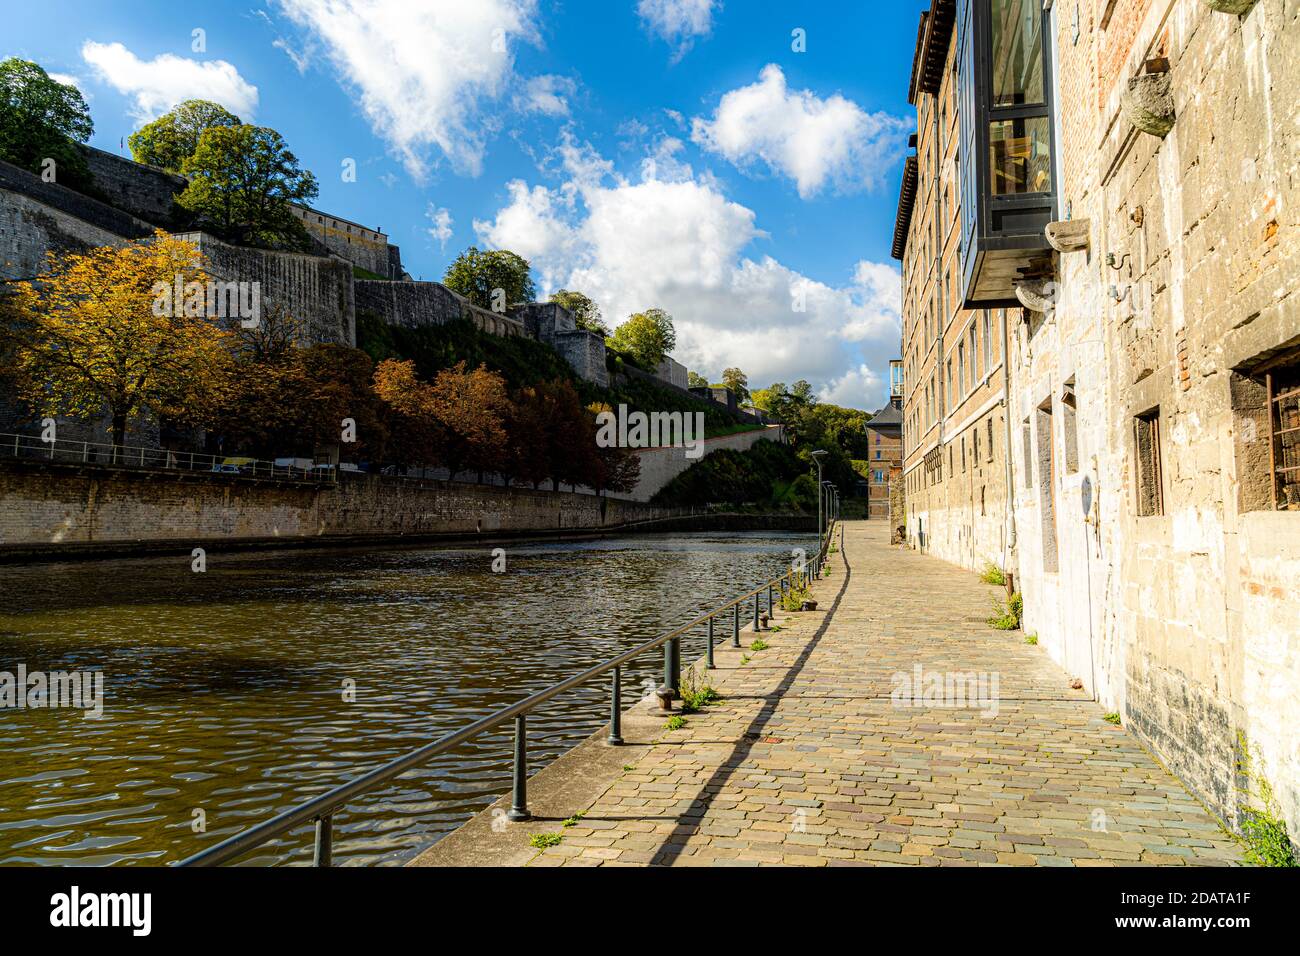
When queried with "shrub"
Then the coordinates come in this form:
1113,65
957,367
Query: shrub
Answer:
993,574
1006,617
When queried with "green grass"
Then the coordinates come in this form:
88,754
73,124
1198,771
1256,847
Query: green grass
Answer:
1112,718
675,723
542,840
992,574
758,644
694,695
573,820
1031,640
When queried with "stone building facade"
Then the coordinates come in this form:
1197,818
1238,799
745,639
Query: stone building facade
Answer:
1154,489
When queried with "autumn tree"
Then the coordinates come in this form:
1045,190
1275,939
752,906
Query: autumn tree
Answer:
477,274
464,410
586,313
736,382
243,182
42,119
88,336
171,139
614,468
646,336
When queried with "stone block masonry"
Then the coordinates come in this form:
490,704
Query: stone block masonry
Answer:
315,290
64,506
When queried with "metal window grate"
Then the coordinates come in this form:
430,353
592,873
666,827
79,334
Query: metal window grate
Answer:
1284,436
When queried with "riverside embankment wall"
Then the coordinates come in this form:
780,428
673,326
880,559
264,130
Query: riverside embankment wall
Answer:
56,510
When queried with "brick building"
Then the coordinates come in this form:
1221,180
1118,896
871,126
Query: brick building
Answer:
954,464
1128,172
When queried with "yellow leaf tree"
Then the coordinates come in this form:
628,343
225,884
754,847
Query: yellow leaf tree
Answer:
88,336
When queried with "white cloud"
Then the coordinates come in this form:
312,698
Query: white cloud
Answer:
678,21
678,243
815,142
67,79
442,222
422,72
157,85
548,95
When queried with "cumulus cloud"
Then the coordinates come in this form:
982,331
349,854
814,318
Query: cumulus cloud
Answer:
422,72
547,94
440,230
815,142
156,85
678,243
678,21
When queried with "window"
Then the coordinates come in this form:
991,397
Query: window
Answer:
1029,457
990,424
1007,192
1047,487
1146,439
1020,159
1266,408
1070,428
974,358
1018,53
988,342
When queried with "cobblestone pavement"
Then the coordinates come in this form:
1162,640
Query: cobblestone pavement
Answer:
807,761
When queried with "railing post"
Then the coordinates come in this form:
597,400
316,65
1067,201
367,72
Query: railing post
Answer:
324,854
519,797
757,621
673,666
616,708
708,650
735,624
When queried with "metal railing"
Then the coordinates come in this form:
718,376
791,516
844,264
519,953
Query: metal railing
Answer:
321,809
63,451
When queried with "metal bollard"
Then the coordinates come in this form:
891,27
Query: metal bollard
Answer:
519,798
708,650
615,709
735,624
758,626
323,854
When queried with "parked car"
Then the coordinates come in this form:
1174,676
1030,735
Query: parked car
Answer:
234,466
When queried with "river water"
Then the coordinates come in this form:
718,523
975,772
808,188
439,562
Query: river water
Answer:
233,694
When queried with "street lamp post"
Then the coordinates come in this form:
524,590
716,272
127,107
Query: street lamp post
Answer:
817,457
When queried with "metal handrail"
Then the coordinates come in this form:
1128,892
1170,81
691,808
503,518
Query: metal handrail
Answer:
65,451
321,809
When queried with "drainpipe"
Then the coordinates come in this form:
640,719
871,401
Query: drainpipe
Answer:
941,391
1006,415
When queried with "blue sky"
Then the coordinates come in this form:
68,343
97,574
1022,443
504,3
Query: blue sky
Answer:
672,153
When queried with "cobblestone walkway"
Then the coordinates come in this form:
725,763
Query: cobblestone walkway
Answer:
808,761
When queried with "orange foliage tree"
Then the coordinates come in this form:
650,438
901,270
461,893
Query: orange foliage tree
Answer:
462,412
86,337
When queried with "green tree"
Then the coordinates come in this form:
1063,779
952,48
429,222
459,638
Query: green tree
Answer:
171,139
243,180
736,382
585,312
696,380
42,119
646,336
477,273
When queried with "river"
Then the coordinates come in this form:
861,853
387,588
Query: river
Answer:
232,694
